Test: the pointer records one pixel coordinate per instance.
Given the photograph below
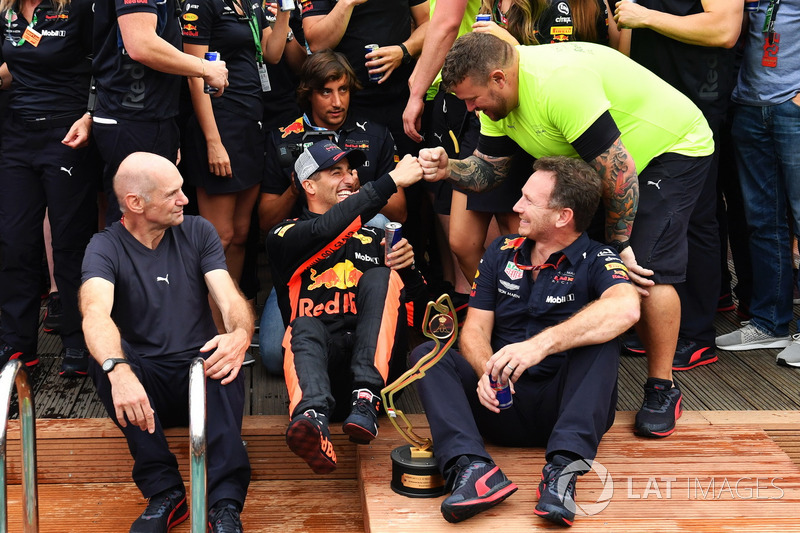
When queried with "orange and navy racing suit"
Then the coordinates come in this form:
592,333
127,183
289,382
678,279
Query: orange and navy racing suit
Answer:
340,302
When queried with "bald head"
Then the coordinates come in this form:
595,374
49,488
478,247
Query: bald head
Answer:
140,174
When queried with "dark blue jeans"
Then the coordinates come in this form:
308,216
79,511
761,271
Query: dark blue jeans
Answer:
766,140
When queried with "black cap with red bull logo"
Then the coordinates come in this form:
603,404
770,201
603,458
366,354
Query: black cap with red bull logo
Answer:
322,155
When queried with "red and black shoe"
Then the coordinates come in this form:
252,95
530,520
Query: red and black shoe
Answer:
556,493
632,345
309,438
53,314
689,355
660,410
74,363
477,486
362,424
164,511
8,352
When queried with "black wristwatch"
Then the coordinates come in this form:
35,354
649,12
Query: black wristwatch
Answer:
110,363
619,245
406,55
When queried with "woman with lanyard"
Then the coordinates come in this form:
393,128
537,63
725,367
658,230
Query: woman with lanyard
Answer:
224,152
47,163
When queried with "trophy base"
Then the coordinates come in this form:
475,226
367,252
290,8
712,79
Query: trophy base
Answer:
415,477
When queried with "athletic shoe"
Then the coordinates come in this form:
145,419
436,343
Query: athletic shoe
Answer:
660,409
164,511
362,424
556,493
632,345
689,355
53,314
725,303
74,363
309,438
790,356
224,518
749,337
477,486
7,353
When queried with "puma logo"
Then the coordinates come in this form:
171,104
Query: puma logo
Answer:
657,184
68,170
165,279
363,126
438,136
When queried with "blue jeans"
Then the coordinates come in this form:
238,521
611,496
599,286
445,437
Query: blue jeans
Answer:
766,140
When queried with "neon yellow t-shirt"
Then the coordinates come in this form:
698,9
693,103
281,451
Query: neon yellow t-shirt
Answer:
565,87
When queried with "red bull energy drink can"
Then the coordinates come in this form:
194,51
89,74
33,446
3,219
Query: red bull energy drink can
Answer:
393,232
483,17
374,78
286,5
211,56
503,392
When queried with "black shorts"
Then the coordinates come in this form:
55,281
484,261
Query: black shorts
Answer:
243,139
668,190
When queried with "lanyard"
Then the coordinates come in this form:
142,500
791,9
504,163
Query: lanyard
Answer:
10,13
499,16
536,268
253,22
769,21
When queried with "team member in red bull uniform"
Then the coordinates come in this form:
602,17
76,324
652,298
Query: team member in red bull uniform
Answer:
47,163
544,312
340,297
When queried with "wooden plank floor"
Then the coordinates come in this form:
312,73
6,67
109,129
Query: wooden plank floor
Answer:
708,476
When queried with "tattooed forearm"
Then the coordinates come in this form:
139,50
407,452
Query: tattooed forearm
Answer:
479,172
620,190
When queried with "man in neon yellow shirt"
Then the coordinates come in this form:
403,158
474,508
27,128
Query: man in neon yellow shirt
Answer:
589,101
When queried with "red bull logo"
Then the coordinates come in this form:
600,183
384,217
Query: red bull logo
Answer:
341,275
190,27
510,244
294,127
341,303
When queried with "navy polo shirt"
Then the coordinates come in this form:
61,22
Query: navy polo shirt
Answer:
573,277
356,133
127,89
51,79
216,24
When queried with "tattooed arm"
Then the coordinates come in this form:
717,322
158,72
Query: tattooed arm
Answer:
621,199
620,190
478,172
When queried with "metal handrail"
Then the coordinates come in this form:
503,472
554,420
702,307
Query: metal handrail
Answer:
14,374
197,444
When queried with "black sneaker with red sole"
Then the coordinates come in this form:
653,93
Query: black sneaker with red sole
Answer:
477,486
309,438
8,353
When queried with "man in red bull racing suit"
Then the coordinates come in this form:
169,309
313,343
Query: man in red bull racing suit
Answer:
340,297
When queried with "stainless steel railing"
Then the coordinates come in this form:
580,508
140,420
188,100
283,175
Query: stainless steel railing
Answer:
197,445
14,374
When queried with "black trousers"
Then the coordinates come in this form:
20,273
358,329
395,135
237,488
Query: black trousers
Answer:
166,380
38,173
323,365
569,410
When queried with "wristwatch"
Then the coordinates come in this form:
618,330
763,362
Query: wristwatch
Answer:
290,36
406,55
619,245
111,362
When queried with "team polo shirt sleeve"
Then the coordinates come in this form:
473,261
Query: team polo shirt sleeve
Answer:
123,7
197,20
484,285
312,8
606,270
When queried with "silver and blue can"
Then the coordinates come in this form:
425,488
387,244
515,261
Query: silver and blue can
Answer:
483,17
751,5
286,5
503,392
393,232
374,78
211,56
